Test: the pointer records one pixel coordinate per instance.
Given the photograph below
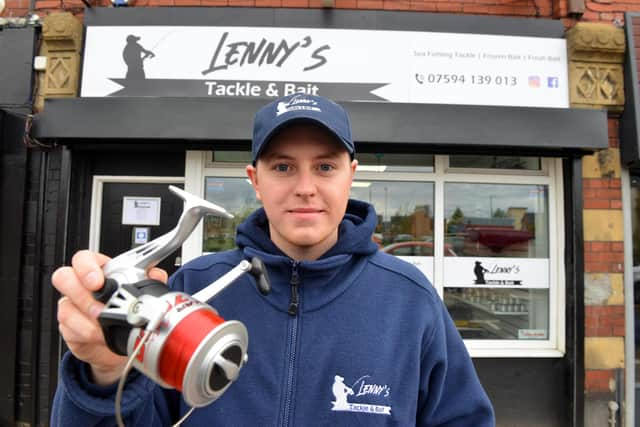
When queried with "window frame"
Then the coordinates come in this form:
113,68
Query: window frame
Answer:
198,166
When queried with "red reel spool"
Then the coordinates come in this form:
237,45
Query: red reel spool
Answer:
194,350
182,343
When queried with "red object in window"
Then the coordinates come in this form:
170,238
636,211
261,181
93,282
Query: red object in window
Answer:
497,238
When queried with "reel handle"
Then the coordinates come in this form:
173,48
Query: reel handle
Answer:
113,319
259,272
104,294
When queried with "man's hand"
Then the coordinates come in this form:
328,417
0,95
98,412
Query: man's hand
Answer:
78,313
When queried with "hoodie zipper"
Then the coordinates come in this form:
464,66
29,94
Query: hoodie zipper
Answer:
293,341
295,281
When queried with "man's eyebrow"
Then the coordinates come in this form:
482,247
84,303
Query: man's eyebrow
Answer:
276,156
329,154
332,154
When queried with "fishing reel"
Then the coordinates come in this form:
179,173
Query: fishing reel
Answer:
174,338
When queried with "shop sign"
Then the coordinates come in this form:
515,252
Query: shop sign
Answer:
481,272
346,65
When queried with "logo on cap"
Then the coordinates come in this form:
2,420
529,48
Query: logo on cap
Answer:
298,102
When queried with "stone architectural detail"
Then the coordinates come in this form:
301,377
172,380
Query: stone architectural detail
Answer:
596,80
61,44
596,57
603,225
604,352
603,164
603,289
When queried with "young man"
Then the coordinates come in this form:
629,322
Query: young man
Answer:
348,335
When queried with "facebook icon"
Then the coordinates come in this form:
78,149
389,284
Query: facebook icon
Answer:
553,82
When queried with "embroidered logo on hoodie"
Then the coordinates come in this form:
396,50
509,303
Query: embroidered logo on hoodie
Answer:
363,392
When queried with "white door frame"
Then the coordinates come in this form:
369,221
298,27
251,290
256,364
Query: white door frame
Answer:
96,198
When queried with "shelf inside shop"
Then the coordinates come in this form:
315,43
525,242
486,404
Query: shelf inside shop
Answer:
486,309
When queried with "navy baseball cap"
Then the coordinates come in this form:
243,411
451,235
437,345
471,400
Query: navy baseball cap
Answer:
300,107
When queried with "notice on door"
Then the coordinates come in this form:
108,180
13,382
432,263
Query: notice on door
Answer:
141,210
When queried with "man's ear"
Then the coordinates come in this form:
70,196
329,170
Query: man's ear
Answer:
354,166
252,174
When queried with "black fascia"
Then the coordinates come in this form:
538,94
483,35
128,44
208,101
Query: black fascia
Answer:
629,133
193,121
17,48
325,18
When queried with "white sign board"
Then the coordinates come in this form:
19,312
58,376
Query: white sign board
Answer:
141,210
424,264
466,272
346,65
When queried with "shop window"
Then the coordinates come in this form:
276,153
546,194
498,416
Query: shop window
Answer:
237,196
226,156
395,162
497,220
495,162
497,286
405,218
485,230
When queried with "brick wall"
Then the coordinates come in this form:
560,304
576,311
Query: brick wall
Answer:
595,11
604,260
599,380
604,256
604,321
15,8
608,11
539,8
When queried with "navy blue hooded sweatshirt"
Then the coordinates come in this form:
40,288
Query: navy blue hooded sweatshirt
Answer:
355,338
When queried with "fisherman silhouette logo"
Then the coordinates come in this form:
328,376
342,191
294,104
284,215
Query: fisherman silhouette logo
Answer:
479,271
341,393
134,55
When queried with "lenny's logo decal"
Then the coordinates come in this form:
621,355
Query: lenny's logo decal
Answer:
299,102
479,271
362,387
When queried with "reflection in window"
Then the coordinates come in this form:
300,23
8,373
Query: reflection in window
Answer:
495,162
395,162
225,156
502,231
235,195
405,214
405,219
497,220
